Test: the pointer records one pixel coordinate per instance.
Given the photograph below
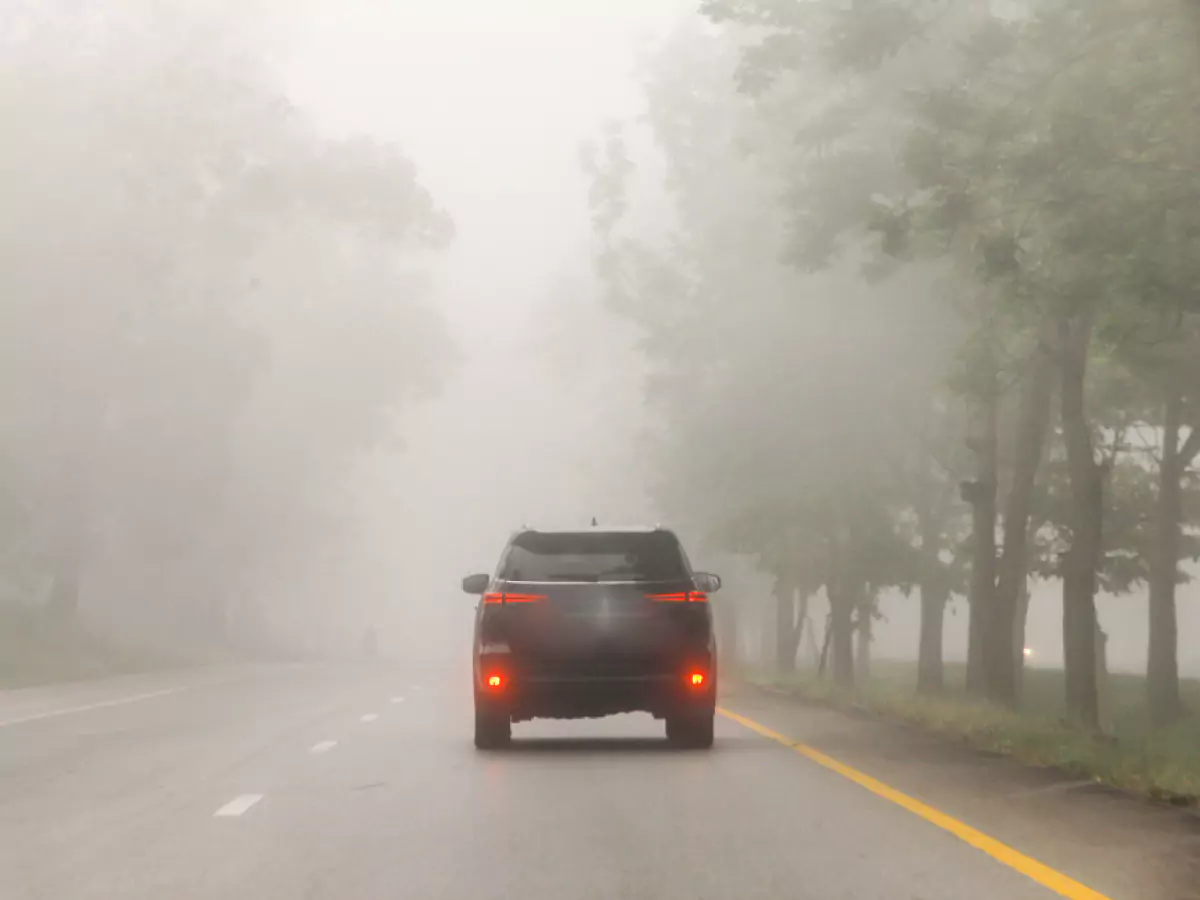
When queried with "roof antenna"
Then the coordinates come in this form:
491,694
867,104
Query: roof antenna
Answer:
593,521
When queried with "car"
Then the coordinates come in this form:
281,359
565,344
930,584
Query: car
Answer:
594,622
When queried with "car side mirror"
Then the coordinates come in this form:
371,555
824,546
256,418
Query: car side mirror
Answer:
708,582
475,584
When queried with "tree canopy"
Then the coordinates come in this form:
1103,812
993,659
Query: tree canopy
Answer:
210,312
917,284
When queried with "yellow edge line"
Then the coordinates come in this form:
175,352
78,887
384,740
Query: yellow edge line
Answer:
1014,859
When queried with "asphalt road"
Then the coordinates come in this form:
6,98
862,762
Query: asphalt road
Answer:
347,782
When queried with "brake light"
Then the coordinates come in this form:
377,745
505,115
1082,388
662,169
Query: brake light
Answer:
506,597
680,597
495,682
697,679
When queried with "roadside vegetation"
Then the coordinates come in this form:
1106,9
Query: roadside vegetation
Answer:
1162,763
918,285
34,652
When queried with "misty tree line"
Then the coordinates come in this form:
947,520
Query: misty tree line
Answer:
208,313
918,282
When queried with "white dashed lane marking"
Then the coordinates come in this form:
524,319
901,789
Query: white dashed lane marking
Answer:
323,747
370,717
103,704
238,805
397,699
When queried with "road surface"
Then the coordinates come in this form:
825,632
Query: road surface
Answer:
346,782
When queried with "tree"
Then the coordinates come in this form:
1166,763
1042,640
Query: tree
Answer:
836,78
1065,241
188,251
1018,183
717,275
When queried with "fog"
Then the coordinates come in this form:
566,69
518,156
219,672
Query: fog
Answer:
539,423
262,393
494,104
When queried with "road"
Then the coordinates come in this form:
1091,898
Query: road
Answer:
346,782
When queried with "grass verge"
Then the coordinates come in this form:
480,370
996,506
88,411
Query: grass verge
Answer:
1160,763
33,652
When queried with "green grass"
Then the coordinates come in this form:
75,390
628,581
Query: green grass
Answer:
1161,763
33,651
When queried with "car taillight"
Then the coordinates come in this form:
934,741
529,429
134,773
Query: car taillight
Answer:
495,682
697,679
680,597
507,597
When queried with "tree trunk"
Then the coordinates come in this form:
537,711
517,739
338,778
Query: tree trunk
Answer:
1162,659
1019,624
1033,421
826,641
1085,520
801,621
1103,707
841,622
862,650
934,594
981,494
930,667
809,632
786,641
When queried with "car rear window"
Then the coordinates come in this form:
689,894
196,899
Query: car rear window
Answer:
594,556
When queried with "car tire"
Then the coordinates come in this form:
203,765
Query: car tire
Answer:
692,731
493,730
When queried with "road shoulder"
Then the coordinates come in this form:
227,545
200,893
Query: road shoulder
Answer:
1117,844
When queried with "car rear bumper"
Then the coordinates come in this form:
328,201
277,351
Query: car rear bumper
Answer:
587,697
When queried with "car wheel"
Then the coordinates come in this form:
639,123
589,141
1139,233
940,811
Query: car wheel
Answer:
492,730
694,731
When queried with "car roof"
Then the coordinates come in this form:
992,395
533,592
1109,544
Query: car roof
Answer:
599,529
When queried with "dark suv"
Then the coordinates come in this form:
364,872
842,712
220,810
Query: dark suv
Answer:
589,623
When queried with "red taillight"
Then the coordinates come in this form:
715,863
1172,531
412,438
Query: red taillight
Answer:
697,679
680,597
495,682
505,597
